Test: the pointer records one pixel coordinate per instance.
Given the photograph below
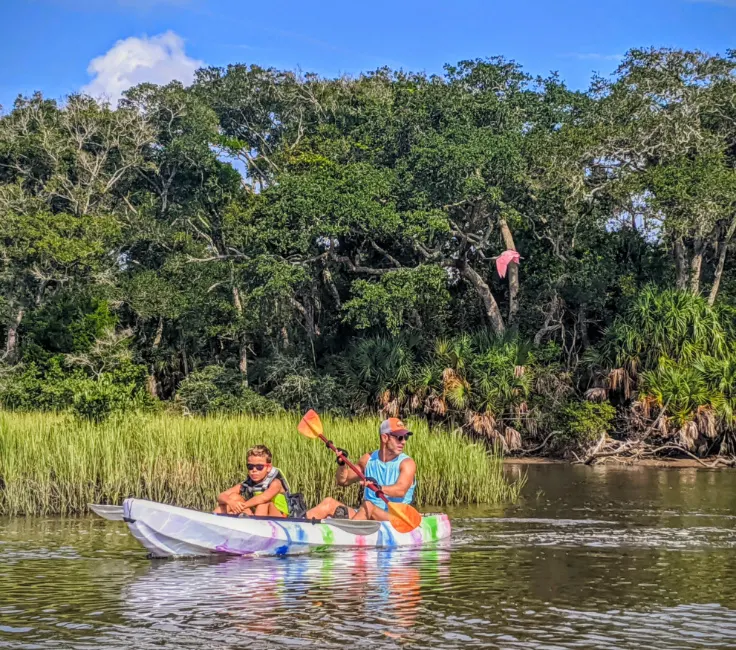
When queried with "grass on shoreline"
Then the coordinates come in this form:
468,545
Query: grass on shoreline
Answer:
56,464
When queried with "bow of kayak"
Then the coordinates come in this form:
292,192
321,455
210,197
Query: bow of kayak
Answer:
170,531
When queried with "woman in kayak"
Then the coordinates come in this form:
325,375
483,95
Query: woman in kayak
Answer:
263,493
388,468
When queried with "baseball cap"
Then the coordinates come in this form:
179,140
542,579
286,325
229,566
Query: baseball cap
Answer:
393,427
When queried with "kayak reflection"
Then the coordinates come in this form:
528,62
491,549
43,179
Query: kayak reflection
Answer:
272,596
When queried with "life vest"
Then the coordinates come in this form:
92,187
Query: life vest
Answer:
292,505
249,489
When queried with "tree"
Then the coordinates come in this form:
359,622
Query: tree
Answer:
63,197
662,143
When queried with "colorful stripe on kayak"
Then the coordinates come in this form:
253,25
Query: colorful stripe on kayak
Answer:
169,531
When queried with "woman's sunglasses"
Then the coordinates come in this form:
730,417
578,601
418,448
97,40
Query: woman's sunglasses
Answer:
259,467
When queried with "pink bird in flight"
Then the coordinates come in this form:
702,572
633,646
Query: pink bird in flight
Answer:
504,259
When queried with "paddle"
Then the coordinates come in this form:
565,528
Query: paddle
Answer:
402,516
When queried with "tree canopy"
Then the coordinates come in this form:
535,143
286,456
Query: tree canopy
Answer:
263,227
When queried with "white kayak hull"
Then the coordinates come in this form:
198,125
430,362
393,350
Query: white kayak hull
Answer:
169,531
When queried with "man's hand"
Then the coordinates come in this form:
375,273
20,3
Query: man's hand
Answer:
341,456
371,483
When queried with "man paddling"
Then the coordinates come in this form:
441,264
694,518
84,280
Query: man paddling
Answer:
388,468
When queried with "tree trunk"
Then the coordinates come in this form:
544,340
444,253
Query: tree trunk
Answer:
237,302
243,356
11,342
327,277
721,261
583,328
484,291
680,264
152,383
184,360
513,271
696,263
308,315
159,333
243,362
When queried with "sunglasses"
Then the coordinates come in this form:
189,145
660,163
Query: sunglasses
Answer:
259,467
400,438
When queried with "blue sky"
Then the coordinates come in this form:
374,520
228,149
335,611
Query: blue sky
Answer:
49,45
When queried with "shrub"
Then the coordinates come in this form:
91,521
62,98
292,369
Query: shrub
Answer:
56,387
217,389
295,384
583,422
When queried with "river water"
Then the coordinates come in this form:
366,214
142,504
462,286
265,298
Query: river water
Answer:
589,558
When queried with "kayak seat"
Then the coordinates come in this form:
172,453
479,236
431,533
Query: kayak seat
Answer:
297,505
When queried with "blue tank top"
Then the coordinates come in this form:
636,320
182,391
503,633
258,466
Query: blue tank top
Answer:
386,474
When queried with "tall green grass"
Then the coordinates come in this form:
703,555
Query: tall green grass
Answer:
56,464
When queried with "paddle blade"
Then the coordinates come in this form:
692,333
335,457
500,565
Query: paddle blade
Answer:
404,518
311,425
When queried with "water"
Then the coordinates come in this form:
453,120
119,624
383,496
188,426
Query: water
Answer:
591,558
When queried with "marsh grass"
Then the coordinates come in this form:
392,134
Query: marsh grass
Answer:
57,464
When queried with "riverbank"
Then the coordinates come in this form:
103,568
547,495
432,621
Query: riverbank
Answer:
57,464
662,463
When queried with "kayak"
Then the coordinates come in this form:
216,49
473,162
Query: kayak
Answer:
170,531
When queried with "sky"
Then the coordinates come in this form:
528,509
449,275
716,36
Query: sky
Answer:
103,47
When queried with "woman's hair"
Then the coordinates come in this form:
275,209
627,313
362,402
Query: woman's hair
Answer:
261,451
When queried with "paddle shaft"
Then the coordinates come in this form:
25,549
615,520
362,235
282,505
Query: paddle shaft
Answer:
355,468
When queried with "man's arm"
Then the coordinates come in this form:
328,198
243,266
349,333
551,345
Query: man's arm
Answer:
407,472
346,476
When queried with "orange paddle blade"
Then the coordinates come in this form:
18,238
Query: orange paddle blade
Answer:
311,425
404,518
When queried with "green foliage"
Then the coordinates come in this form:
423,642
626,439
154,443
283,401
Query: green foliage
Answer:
480,373
216,389
71,322
379,371
484,381
54,464
583,422
401,298
681,389
136,260
293,383
97,399
663,325
58,387
674,352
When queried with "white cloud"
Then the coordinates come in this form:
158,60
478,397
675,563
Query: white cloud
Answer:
158,59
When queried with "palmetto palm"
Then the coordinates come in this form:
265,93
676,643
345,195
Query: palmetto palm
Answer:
672,324
670,351
382,371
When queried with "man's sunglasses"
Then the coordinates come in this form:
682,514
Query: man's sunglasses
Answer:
259,467
400,438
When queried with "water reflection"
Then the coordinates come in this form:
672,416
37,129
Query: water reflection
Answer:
591,557
332,597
